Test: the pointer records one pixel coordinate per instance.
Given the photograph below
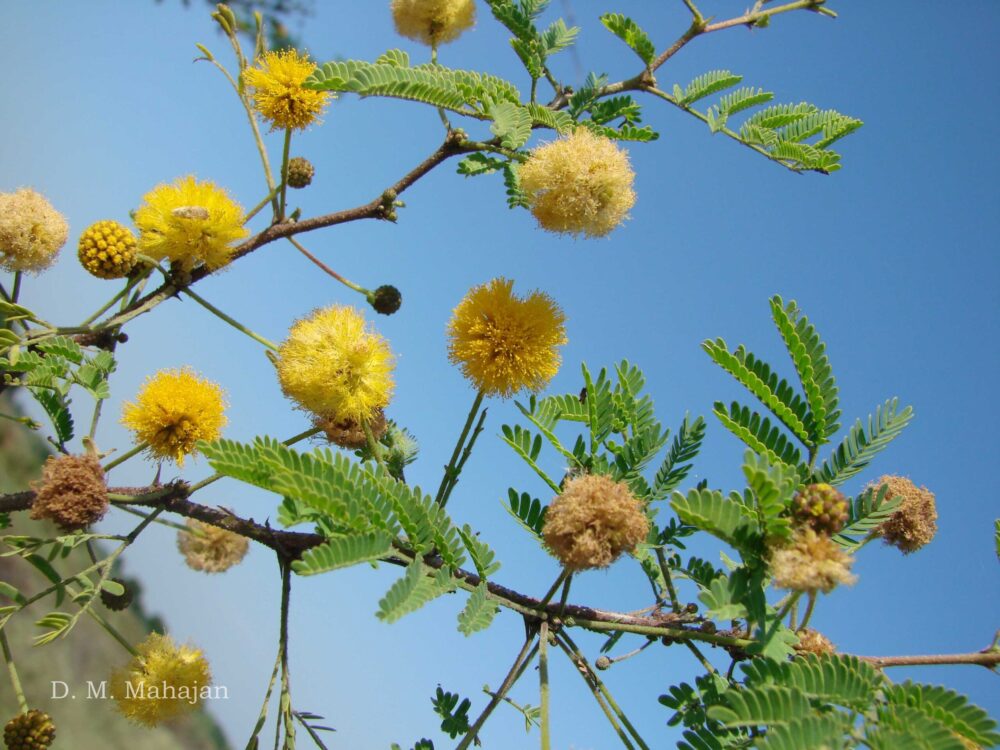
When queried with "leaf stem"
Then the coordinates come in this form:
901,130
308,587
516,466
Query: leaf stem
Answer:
543,678
22,702
326,269
15,291
661,558
235,324
125,456
809,610
267,199
451,470
284,173
524,657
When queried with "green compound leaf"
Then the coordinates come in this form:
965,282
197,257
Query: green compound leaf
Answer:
808,733
412,591
711,512
527,511
948,707
478,613
477,164
843,680
396,57
808,353
557,120
62,346
758,433
868,511
462,91
57,407
483,557
528,449
756,376
770,705
675,466
705,85
455,715
724,597
343,552
629,32
902,726
863,443
511,124
773,487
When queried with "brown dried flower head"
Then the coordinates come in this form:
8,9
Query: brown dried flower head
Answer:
348,433
210,549
811,562
814,642
593,522
71,492
914,523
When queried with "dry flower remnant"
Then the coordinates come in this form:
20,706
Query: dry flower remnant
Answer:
433,22
190,223
210,549
814,642
350,434
593,522
914,523
31,231
503,343
811,562
173,411
579,184
336,366
107,250
277,92
71,492
162,682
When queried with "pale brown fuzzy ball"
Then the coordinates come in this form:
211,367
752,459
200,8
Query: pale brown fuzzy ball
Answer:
814,642
71,492
31,231
210,549
593,522
914,523
811,562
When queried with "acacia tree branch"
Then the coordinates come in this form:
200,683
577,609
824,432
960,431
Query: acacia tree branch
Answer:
990,658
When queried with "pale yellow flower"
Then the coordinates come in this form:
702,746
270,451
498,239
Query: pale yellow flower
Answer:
433,22
31,231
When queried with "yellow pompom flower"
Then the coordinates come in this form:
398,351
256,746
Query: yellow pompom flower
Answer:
579,184
31,231
192,223
163,682
336,366
107,250
503,343
173,411
278,95
433,22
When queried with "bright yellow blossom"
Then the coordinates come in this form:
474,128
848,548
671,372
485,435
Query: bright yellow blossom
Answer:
163,682
173,411
335,366
190,222
433,22
503,343
278,95
579,184
31,231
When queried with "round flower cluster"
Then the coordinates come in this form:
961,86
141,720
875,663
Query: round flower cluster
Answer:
433,22
278,95
914,523
579,184
503,343
821,507
162,682
173,411
300,173
210,549
811,562
31,231
107,250
334,365
814,642
190,223
32,730
72,492
593,521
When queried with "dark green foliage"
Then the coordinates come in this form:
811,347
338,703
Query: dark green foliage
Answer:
454,714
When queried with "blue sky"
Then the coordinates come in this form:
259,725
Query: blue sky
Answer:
893,258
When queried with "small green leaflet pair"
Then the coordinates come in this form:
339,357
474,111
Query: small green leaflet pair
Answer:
366,516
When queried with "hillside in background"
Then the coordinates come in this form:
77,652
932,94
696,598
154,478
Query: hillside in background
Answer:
88,653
